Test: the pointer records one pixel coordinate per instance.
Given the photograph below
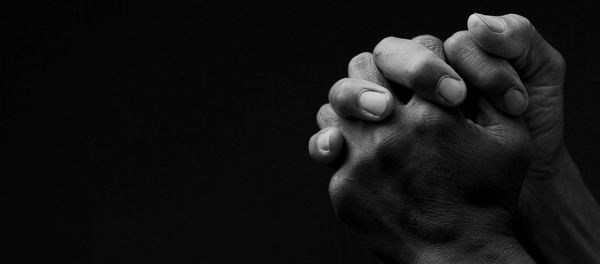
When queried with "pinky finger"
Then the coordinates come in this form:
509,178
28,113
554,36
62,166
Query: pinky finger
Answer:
325,146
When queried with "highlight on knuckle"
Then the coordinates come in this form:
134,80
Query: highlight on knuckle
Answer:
421,66
493,77
361,61
459,45
429,41
522,24
326,115
383,46
337,93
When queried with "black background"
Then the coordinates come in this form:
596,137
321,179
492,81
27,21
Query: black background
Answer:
177,133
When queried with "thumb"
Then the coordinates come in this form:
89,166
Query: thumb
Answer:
513,37
499,125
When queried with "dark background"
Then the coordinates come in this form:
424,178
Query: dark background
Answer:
177,133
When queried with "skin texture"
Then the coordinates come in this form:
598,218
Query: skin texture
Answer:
554,197
542,70
501,54
426,185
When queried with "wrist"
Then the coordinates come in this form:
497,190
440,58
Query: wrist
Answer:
560,201
489,249
558,181
564,169
552,184
550,167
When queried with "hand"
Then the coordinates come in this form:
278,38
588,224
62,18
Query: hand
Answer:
479,55
423,74
539,66
426,184
554,197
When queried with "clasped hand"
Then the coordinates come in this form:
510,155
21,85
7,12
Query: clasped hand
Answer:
431,180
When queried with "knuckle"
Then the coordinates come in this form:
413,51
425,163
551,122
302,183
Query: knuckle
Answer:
338,92
520,21
430,42
552,63
493,77
384,45
361,61
423,65
427,38
327,116
344,190
521,26
324,111
459,43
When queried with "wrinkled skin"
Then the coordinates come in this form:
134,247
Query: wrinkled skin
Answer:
553,197
427,177
542,70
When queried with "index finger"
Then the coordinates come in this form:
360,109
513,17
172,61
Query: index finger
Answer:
412,65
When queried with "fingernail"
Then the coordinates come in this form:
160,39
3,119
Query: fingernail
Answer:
373,102
450,89
323,141
493,23
515,101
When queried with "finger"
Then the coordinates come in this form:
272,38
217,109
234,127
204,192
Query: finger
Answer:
504,128
514,37
488,116
362,66
431,43
326,117
361,99
418,68
325,145
495,78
